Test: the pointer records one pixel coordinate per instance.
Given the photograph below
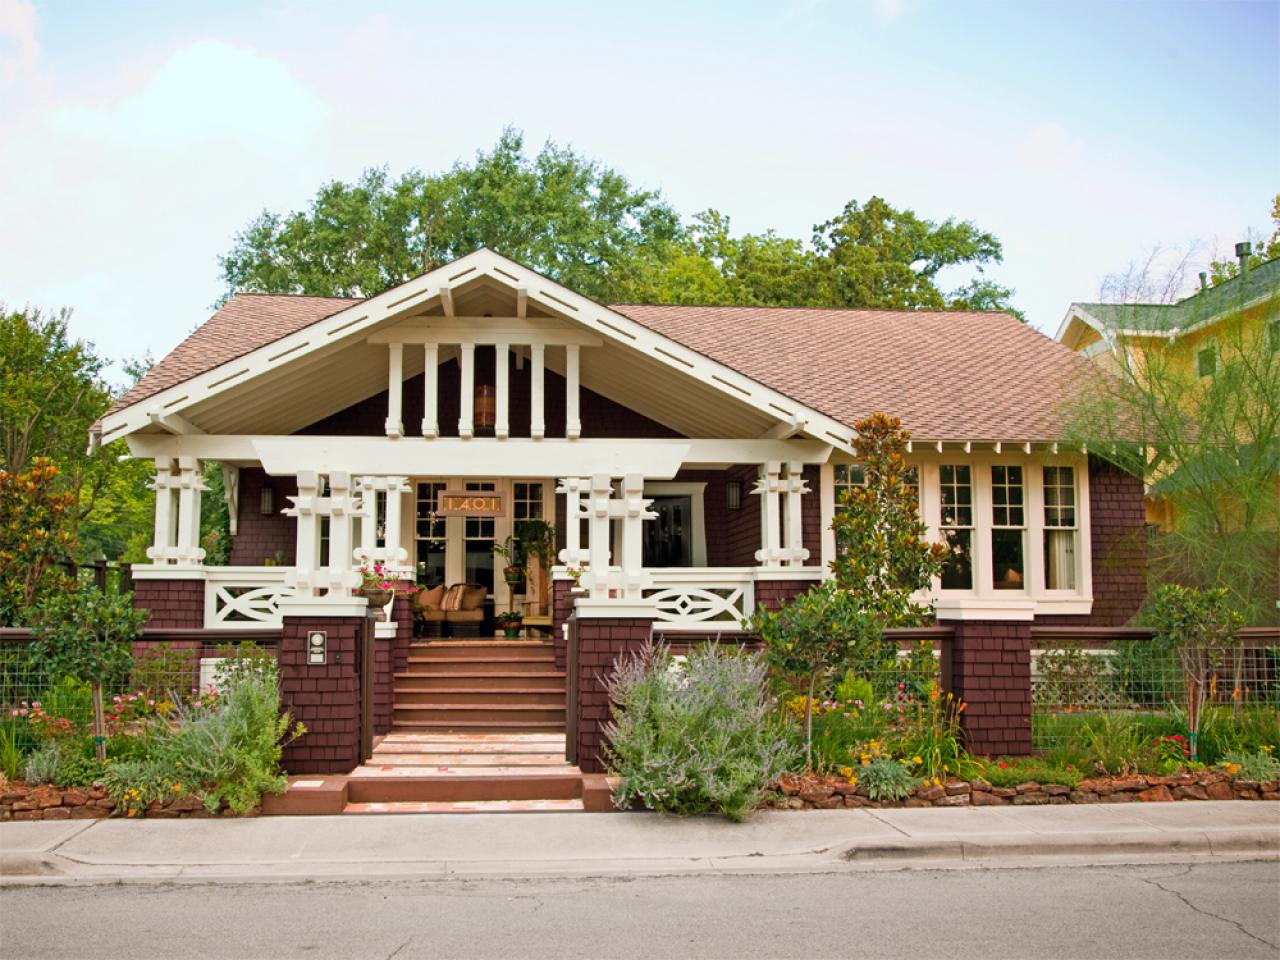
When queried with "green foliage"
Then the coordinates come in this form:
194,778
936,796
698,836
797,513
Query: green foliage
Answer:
1221,271
35,538
44,764
884,558
838,732
1260,765
696,737
244,661
164,672
1118,746
1011,771
887,779
1224,731
1145,677
1070,676
134,784
932,733
86,634
585,225
14,743
71,699
853,689
537,539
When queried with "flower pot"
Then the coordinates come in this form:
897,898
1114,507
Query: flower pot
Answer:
513,574
378,599
511,632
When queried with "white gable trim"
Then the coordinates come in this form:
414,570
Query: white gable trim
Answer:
356,321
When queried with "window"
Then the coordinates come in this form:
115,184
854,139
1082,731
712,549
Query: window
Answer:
957,526
847,476
430,534
1207,361
477,537
526,504
1059,528
1008,528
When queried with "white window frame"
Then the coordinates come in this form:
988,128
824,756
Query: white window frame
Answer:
696,494
979,572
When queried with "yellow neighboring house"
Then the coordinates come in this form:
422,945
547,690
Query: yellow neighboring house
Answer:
1193,339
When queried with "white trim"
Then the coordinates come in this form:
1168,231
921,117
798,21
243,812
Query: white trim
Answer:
153,571
696,492
985,608
323,607
589,608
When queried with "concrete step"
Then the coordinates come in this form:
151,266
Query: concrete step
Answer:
398,785
526,696
442,760
474,726
472,742
466,806
495,680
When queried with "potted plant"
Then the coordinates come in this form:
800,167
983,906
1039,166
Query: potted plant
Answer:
376,586
509,550
511,623
538,544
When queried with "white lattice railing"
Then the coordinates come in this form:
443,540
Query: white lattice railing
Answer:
244,597
702,598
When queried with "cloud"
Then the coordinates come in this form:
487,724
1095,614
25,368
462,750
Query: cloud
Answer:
19,49
888,10
140,186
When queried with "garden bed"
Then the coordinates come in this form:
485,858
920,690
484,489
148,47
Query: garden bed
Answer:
796,792
21,801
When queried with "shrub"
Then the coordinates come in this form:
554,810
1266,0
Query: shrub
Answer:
1011,771
135,784
693,739
12,743
1116,745
1221,732
44,764
1260,765
838,728
887,779
933,735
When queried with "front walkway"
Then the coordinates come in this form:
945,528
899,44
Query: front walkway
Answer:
480,845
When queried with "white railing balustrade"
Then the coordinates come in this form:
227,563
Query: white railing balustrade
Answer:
244,597
702,598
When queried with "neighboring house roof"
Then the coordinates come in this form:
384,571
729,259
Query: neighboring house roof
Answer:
946,375
1201,308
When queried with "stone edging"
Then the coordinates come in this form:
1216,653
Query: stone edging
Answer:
19,801
795,792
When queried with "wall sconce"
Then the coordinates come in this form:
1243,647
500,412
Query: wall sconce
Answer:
267,502
486,407
733,495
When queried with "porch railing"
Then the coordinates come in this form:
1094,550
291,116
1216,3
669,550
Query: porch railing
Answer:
702,598
244,598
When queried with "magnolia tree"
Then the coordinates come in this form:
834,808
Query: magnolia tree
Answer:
35,539
883,561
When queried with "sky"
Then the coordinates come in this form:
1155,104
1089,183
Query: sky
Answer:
137,139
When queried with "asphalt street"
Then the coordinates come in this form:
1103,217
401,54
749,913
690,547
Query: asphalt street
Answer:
1219,910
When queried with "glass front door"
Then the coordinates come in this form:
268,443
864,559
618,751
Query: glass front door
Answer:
668,539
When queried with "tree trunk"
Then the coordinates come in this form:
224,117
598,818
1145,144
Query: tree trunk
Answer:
99,725
808,723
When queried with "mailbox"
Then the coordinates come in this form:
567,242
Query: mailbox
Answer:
317,641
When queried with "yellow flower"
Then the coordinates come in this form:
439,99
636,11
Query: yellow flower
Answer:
866,763
917,761
846,771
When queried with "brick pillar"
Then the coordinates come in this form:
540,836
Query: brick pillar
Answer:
173,603
326,698
987,664
561,609
600,641
772,594
390,655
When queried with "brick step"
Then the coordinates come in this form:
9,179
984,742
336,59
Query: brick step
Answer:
518,696
463,648
471,712
497,680
455,760
418,666
529,651
473,806
402,726
376,786
473,742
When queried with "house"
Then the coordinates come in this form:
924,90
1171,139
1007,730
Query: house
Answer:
1192,339
688,458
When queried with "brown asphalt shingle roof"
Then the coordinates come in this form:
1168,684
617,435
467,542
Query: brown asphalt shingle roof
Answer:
947,375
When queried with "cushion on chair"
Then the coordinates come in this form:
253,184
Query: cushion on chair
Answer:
464,616
429,599
473,596
452,599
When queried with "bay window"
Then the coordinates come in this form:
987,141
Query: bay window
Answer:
957,525
1008,528
1060,528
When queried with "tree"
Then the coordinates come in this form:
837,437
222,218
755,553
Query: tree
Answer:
35,539
87,633
1221,271
882,561
586,225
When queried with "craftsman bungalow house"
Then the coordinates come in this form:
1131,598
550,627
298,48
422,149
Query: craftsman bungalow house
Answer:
689,458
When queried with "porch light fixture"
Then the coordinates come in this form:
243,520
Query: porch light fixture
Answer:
486,412
733,495
267,501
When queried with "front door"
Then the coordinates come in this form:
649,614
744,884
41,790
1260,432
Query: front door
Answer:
668,538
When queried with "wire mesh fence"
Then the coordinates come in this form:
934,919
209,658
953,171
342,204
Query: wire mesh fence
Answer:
1127,677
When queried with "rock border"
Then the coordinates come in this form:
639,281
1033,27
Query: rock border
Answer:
795,792
21,801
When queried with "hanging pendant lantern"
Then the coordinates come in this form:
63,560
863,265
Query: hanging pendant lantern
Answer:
486,407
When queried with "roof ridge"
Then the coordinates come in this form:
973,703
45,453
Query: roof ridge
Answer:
295,296
750,306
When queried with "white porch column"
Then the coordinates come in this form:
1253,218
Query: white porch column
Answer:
572,422
336,579
794,488
395,388
466,422
188,552
537,418
391,552
165,485
231,493
598,510
573,488
768,486
431,390
502,419
635,511
307,527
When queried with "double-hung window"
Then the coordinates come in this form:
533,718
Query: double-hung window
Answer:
956,482
1060,519
1008,528
431,534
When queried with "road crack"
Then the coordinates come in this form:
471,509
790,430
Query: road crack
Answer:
1155,882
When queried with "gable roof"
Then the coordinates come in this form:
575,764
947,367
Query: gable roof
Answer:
947,375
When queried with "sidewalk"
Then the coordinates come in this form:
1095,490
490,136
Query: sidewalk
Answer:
445,846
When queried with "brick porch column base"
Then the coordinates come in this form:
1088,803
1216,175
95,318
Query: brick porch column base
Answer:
561,610
988,666
326,698
601,639
174,602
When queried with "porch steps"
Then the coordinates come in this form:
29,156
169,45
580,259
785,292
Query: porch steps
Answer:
465,773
